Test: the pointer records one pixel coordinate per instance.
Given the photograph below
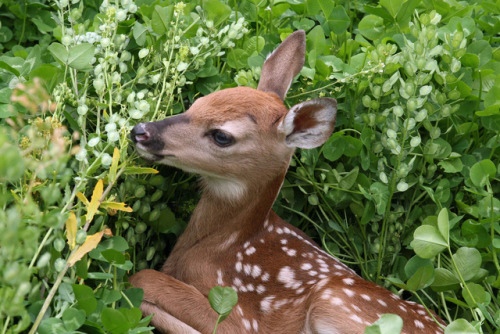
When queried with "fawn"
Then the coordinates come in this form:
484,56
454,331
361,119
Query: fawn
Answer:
240,140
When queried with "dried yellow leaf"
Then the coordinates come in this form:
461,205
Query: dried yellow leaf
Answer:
116,206
71,230
83,198
94,202
90,243
114,165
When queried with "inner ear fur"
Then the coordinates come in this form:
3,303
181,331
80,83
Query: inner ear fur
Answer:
309,124
283,65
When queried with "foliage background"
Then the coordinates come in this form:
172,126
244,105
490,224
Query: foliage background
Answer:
405,191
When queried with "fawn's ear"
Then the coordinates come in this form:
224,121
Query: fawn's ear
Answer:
309,124
283,65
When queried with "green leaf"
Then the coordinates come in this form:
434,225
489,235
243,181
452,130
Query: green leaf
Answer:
160,20
7,67
114,321
481,172
423,277
352,146
371,27
237,58
135,295
85,298
392,6
316,41
222,300
444,224
140,32
444,280
334,147
113,256
386,324
478,293
481,48
5,34
380,193
80,56
470,60
460,326
52,326
254,44
468,261
73,318
216,11
428,242
59,52
338,20
452,165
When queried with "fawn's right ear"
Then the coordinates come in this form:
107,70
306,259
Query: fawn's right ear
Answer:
283,65
309,124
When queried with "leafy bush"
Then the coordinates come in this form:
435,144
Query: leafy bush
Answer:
405,191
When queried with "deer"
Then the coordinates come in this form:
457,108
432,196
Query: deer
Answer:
240,141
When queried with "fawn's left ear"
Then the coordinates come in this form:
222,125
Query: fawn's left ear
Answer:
309,124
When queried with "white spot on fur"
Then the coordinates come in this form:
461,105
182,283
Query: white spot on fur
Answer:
239,256
247,268
402,308
265,277
421,312
348,292
291,252
356,318
287,277
229,241
237,281
355,308
279,230
219,277
366,297
250,250
246,324
240,310
270,228
313,273
348,281
336,301
256,271
326,294
306,266
381,302
283,241
246,244
238,266
250,287
260,289
255,325
265,304
419,324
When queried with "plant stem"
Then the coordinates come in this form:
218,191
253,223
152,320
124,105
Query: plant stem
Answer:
217,323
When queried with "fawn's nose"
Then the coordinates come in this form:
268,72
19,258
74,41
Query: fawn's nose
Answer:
139,133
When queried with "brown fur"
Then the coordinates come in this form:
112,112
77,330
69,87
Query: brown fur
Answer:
285,283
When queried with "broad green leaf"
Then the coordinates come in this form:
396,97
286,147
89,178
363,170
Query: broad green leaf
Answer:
59,52
380,193
140,32
316,40
481,48
451,165
492,98
414,264
338,20
114,321
470,60
139,170
7,67
113,256
52,326
254,44
85,297
428,241
468,261
371,27
479,295
423,277
217,11
482,172
386,324
444,280
80,56
73,318
334,148
392,6
348,180
353,146
443,224
160,20
222,300
460,326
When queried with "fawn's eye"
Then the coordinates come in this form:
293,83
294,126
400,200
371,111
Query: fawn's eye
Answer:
221,138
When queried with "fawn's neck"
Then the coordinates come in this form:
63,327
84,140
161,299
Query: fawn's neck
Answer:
214,216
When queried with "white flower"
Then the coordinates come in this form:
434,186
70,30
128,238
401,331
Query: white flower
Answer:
114,118
135,114
132,8
94,141
105,42
81,155
131,97
155,78
116,77
194,50
204,41
415,141
82,110
182,66
143,53
421,115
142,105
402,186
391,133
383,177
98,84
113,136
140,95
125,3
110,127
66,40
121,15
123,67
122,122
106,159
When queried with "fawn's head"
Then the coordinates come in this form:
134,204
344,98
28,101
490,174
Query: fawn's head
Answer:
240,138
